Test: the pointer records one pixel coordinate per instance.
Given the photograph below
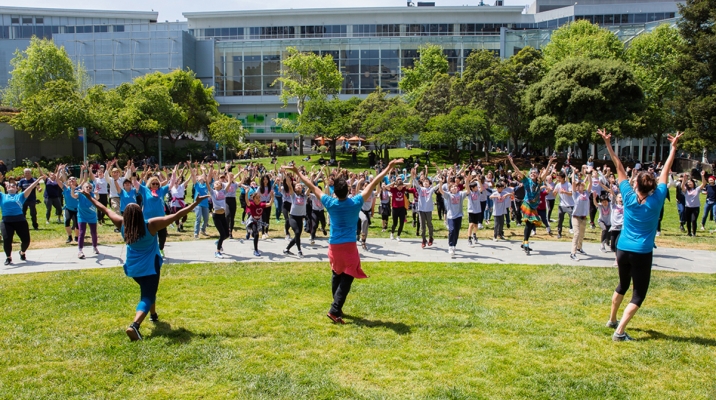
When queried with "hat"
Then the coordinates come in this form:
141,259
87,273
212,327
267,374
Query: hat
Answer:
115,170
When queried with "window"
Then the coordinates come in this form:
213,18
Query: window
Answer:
14,20
39,20
26,20
69,29
118,28
100,28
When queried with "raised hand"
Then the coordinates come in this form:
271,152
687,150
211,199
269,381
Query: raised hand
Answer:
675,139
606,136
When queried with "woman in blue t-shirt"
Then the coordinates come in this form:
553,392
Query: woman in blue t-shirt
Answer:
13,219
69,186
86,215
642,204
143,262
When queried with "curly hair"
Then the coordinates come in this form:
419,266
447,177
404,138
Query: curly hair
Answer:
133,224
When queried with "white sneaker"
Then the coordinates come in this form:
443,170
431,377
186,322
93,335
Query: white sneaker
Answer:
288,238
571,231
534,232
479,226
313,242
397,238
383,230
392,237
451,251
702,228
658,233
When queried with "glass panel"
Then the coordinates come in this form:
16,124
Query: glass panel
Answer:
640,18
599,19
389,71
252,74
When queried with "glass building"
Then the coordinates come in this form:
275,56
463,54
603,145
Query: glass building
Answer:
239,53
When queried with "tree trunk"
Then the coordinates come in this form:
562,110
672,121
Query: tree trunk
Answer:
487,151
514,142
102,153
332,146
386,156
657,149
584,148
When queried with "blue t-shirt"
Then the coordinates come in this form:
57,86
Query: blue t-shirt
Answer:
87,212
201,190
143,255
153,206
126,198
344,218
70,202
23,184
11,204
640,220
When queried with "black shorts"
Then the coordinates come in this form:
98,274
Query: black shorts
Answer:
385,210
472,218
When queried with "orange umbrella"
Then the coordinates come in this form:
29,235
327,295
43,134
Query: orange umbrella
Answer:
355,139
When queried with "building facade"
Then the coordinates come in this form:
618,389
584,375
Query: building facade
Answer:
239,53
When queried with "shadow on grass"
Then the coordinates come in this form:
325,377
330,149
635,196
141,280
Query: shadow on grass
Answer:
398,327
656,335
175,335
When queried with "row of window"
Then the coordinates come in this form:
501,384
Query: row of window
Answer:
46,31
27,20
616,19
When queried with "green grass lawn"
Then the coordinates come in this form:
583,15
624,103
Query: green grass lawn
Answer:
259,331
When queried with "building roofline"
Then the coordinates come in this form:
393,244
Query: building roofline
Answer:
66,12
351,10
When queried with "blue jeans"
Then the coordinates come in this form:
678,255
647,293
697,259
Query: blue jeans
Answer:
454,230
278,202
202,213
680,209
709,208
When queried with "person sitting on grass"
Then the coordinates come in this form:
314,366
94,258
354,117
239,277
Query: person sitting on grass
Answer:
143,262
342,249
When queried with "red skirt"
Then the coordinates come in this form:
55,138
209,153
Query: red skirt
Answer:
344,258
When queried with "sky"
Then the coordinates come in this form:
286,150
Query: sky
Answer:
171,10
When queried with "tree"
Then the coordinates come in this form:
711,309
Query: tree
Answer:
42,62
654,58
697,69
432,61
580,95
102,120
385,120
226,131
435,99
329,118
55,111
461,125
582,39
307,76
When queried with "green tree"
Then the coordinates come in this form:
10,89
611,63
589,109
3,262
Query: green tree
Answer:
55,111
102,120
307,76
330,119
654,58
436,98
463,124
226,131
697,69
42,62
582,39
580,95
432,61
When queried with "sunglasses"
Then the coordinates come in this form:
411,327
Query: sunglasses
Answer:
155,184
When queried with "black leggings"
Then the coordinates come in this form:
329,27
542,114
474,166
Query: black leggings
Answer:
286,208
550,207
440,204
222,226
104,200
529,227
9,229
637,267
162,233
592,212
398,219
691,215
606,236
296,223
614,237
341,286
253,229
266,218
71,216
231,217
53,202
481,214
319,217
148,286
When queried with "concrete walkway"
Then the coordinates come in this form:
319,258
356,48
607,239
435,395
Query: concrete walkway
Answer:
501,252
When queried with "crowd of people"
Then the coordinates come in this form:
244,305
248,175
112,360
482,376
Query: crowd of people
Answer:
626,205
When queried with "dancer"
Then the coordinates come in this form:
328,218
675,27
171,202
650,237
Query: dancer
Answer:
177,193
566,202
296,214
399,211
200,189
101,190
143,262
692,203
254,223
531,199
617,220
86,214
71,204
500,200
127,194
218,199
366,213
13,219
425,206
580,213
31,203
710,206
53,195
385,205
318,216
342,250
636,244
605,218
453,204
153,195
266,192
474,209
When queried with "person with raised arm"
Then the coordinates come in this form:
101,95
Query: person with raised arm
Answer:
342,249
642,204
143,262
13,219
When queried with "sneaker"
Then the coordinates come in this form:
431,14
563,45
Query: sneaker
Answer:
116,231
451,251
392,237
161,253
96,251
153,317
502,237
702,228
430,241
336,319
133,333
324,232
23,256
580,251
287,238
397,238
658,233
313,242
204,233
494,239
571,231
8,261
624,337
479,226
603,249
256,253
48,222
365,246
217,254
300,254
534,232
682,228
469,241
68,241
381,231
559,236
196,236
81,255
287,252
549,231
612,325
77,240
424,243
574,257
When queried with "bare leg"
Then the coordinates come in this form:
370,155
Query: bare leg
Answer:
616,302
139,317
629,312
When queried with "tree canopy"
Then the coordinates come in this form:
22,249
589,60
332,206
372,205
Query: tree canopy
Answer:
432,61
582,39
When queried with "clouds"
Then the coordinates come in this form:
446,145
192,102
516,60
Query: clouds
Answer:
171,10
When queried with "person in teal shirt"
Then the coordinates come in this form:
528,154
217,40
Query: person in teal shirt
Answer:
13,219
143,262
635,248
87,216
